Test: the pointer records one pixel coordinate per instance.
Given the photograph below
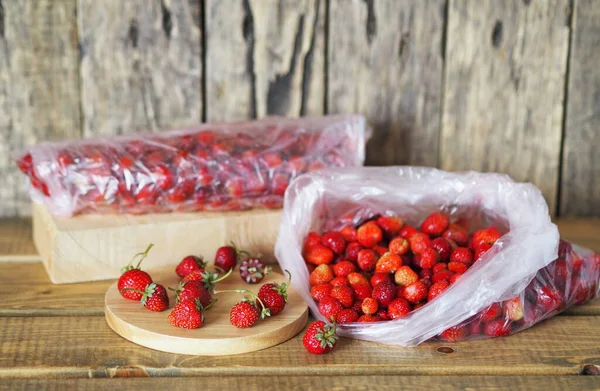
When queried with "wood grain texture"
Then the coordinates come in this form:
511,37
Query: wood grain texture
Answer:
338,383
86,347
16,239
39,89
580,184
140,65
504,85
264,57
385,61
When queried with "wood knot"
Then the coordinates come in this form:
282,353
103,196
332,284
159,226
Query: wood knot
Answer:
497,34
46,292
445,350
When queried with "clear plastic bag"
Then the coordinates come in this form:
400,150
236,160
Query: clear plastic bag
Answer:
522,263
222,166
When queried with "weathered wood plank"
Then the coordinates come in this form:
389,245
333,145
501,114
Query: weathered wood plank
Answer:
580,184
86,347
385,61
140,65
16,239
504,85
39,88
258,383
264,57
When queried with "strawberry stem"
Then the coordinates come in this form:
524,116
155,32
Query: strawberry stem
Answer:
222,277
142,254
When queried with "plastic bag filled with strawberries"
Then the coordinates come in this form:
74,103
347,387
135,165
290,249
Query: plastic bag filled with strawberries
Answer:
401,255
221,166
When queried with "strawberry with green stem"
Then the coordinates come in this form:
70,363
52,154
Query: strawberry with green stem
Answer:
154,297
274,295
134,278
189,314
320,337
208,278
245,313
228,256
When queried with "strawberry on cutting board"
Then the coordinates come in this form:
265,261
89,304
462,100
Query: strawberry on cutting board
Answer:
133,280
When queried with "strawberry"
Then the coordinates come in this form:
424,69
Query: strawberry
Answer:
384,293
321,275
346,316
483,248
369,234
244,314
274,296
382,314
369,306
154,297
435,224
349,233
319,255
491,313
357,306
549,298
462,255
455,277
497,328
513,308
352,250
253,270
134,278
457,234
487,235
436,289
398,308
344,294
189,264
419,305
415,292
340,281
399,245
367,259
428,258
443,247
357,279
426,274
206,277
405,276
334,241
228,256
455,333
319,338
368,318
388,263
312,239
457,267
390,225
188,314
444,275
380,250
463,222
475,327
407,232
319,291
379,277
362,291
419,242
343,268
192,290
438,267
329,307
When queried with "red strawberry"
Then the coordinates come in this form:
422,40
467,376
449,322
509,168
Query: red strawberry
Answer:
188,314
340,281
497,328
312,239
362,291
357,279
134,278
444,275
419,242
329,307
357,306
208,278
455,333
369,306
419,305
344,294
253,270
388,263
407,232
154,297
475,327
380,250
192,290
415,292
319,338
368,318
367,259
435,224
398,308
384,293
320,291
391,225
405,276
382,314
352,250
428,258
514,309
379,277
483,248
426,274
438,267
346,316
274,296
369,234
491,313
244,314
443,247
399,245
463,222
321,275
343,268
550,299
334,241
487,235
349,233
462,255
457,234
457,267
319,255
436,289
228,256
455,277
189,264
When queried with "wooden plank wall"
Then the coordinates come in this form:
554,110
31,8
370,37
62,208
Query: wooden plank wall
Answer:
491,85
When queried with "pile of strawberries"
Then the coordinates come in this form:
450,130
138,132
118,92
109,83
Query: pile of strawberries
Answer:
185,171
383,269
194,294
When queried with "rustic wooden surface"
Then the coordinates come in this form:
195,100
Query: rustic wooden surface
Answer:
580,187
39,85
385,61
503,93
55,337
264,57
140,65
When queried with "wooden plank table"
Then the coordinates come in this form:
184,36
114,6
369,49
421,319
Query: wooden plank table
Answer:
55,337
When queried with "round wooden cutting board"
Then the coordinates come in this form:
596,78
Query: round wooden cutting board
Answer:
217,336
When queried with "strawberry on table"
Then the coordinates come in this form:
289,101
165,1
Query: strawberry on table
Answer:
274,296
133,279
154,297
189,264
188,314
319,338
192,290
227,257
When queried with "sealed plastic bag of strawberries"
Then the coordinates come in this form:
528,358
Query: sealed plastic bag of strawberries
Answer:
402,255
223,166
